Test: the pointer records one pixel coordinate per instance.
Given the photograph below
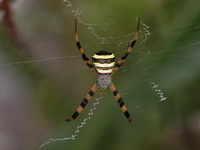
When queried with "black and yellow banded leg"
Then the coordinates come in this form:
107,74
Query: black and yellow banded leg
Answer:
120,102
86,99
129,49
85,58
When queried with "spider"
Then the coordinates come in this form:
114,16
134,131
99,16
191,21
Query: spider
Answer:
103,64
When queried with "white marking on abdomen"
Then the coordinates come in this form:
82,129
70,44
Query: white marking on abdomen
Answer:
104,71
105,65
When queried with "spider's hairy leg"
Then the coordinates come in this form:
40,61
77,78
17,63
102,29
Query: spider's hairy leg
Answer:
129,49
78,44
120,102
86,99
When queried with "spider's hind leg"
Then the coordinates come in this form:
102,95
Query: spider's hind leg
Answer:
87,98
120,102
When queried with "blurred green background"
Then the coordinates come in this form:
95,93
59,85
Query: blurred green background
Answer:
43,78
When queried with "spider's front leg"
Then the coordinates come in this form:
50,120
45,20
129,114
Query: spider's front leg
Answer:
129,49
87,98
120,102
78,44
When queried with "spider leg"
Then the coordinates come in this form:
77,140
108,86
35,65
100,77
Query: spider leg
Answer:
86,99
129,49
120,102
85,58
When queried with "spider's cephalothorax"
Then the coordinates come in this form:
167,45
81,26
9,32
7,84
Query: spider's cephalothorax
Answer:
104,66
104,63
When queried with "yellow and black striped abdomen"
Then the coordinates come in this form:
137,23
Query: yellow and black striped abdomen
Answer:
103,62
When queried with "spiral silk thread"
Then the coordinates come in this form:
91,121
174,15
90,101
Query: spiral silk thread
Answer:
73,136
158,91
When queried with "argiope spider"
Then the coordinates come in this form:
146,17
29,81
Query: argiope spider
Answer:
104,66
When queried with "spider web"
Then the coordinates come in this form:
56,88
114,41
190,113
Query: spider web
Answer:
120,40
103,40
